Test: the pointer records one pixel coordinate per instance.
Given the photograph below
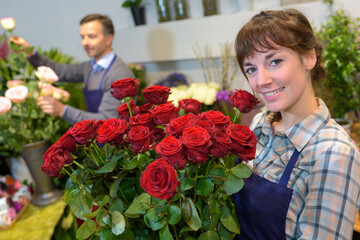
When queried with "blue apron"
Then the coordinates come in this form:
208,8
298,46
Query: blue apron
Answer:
262,205
93,97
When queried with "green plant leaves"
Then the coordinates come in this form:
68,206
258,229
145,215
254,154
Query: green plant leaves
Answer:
190,214
139,206
229,222
175,214
241,171
204,187
86,229
118,223
233,184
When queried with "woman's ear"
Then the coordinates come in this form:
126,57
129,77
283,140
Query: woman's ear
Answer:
310,60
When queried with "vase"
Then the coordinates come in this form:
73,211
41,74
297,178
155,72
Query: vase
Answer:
210,7
45,191
138,14
163,10
180,9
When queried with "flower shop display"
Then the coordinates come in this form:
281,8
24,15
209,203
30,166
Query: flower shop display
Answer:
15,197
157,172
139,72
163,10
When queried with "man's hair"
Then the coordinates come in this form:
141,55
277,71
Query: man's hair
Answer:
105,21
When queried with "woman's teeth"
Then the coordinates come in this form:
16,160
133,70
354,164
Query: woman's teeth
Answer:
274,92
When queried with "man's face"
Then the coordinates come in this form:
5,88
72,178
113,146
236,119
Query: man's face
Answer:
94,41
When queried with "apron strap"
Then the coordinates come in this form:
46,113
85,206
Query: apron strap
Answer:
289,167
103,76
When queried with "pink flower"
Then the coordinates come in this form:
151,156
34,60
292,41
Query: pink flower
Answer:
8,23
4,49
5,105
60,94
14,83
17,94
46,74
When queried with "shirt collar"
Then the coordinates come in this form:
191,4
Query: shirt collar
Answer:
301,133
105,61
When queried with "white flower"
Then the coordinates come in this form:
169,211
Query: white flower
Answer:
17,94
5,105
8,23
46,74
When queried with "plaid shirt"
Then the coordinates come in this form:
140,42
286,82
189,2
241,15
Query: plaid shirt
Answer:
325,179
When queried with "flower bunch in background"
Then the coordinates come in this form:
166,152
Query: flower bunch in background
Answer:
203,92
157,172
139,73
21,120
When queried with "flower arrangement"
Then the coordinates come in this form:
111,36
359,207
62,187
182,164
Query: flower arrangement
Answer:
203,92
21,120
132,3
157,172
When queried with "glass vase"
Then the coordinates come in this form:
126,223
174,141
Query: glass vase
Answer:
180,9
163,10
210,7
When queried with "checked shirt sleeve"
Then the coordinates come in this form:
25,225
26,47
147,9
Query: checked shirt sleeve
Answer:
333,190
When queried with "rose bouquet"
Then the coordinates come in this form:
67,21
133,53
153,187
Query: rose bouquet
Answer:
157,172
21,120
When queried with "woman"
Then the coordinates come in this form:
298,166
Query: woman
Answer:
305,181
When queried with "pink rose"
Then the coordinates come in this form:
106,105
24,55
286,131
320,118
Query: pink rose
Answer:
8,23
17,94
4,49
46,74
14,83
60,94
5,105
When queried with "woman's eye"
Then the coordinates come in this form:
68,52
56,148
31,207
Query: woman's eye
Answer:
250,70
276,62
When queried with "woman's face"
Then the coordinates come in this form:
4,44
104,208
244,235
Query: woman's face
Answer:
281,78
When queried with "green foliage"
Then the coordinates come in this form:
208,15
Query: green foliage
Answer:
110,186
341,57
132,3
139,73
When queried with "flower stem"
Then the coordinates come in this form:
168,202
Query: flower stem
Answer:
176,236
98,152
78,164
196,177
128,105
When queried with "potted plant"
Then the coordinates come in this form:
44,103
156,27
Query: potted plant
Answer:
341,59
137,10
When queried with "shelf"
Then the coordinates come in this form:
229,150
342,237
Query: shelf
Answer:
175,40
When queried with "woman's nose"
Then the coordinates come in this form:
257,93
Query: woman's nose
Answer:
264,77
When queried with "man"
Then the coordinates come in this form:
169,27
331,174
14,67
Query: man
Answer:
97,33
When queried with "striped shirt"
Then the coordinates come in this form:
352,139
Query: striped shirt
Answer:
325,179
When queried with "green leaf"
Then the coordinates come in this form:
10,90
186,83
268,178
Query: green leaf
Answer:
194,221
241,171
223,232
117,205
115,187
91,214
108,167
78,205
86,229
165,234
139,206
187,184
118,221
175,214
229,222
106,234
233,184
209,235
127,235
204,187
155,221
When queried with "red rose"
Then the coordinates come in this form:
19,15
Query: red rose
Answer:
123,110
54,160
158,134
177,125
146,107
160,180
190,105
197,144
112,131
127,87
220,145
156,94
67,141
218,118
170,149
142,119
207,125
243,141
140,138
243,100
164,113
84,131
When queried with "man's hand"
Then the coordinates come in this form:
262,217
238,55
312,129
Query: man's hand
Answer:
22,44
51,106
